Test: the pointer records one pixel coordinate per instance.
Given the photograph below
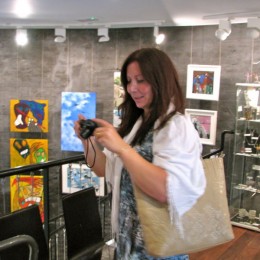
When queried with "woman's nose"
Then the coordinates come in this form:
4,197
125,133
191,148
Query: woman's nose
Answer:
132,86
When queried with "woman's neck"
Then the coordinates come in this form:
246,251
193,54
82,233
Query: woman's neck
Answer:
146,114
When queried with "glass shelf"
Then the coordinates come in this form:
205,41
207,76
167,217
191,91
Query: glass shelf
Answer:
246,188
249,155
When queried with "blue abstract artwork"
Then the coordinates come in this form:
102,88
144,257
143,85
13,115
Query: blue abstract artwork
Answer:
73,104
77,177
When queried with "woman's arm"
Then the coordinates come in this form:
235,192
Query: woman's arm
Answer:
150,178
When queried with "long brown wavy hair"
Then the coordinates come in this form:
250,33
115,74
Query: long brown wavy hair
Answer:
159,71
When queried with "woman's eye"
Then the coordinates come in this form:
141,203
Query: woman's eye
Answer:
140,80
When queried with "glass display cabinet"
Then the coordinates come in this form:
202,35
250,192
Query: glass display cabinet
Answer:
245,179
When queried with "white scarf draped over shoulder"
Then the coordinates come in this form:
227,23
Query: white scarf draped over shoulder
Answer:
176,149
114,168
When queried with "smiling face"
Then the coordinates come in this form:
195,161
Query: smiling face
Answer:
138,88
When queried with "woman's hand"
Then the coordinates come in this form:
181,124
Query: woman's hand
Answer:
77,127
108,137
93,153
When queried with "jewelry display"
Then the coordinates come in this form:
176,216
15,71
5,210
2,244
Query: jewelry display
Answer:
252,215
252,77
247,188
247,218
245,178
251,143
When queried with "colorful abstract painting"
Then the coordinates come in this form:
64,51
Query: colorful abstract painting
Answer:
73,104
28,151
29,115
203,82
26,190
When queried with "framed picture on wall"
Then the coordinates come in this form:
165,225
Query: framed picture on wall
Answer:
73,104
203,82
77,176
205,122
119,94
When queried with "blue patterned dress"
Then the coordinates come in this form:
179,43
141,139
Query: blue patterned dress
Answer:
130,243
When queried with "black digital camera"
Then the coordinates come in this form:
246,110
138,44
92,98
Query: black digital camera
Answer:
87,128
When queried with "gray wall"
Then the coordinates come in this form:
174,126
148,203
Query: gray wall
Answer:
43,69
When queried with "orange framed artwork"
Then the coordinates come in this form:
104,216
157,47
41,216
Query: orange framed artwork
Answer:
28,115
28,151
27,189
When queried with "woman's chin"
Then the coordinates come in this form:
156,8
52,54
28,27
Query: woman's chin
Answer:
139,104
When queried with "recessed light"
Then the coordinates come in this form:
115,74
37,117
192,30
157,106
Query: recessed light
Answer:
89,19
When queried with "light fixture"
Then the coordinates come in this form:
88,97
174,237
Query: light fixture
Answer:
22,8
21,37
103,32
253,25
223,30
159,38
60,35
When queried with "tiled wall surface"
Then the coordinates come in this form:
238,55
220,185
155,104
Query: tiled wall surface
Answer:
44,69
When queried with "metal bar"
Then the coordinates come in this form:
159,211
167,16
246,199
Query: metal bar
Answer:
222,142
21,239
46,199
39,166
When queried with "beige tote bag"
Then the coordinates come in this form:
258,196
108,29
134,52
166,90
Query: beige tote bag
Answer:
205,225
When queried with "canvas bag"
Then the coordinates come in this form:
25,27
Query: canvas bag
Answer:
205,225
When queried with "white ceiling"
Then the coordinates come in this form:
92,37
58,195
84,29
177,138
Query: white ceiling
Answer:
126,13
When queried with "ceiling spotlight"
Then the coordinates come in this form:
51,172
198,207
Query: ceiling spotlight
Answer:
22,8
159,38
21,37
253,25
103,32
60,35
224,30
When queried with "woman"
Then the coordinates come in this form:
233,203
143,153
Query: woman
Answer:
156,147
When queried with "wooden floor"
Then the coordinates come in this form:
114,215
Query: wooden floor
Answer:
245,246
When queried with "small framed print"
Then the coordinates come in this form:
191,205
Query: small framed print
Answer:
205,122
76,176
119,94
203,82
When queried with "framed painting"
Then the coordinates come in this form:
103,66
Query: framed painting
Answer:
77,177
205,122
73,104
119,94
29,115
203,82
28,151
26,190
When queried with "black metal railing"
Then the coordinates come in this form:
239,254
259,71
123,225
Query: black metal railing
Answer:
54,227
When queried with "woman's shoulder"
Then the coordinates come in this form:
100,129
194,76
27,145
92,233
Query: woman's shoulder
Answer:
179,122
178,128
